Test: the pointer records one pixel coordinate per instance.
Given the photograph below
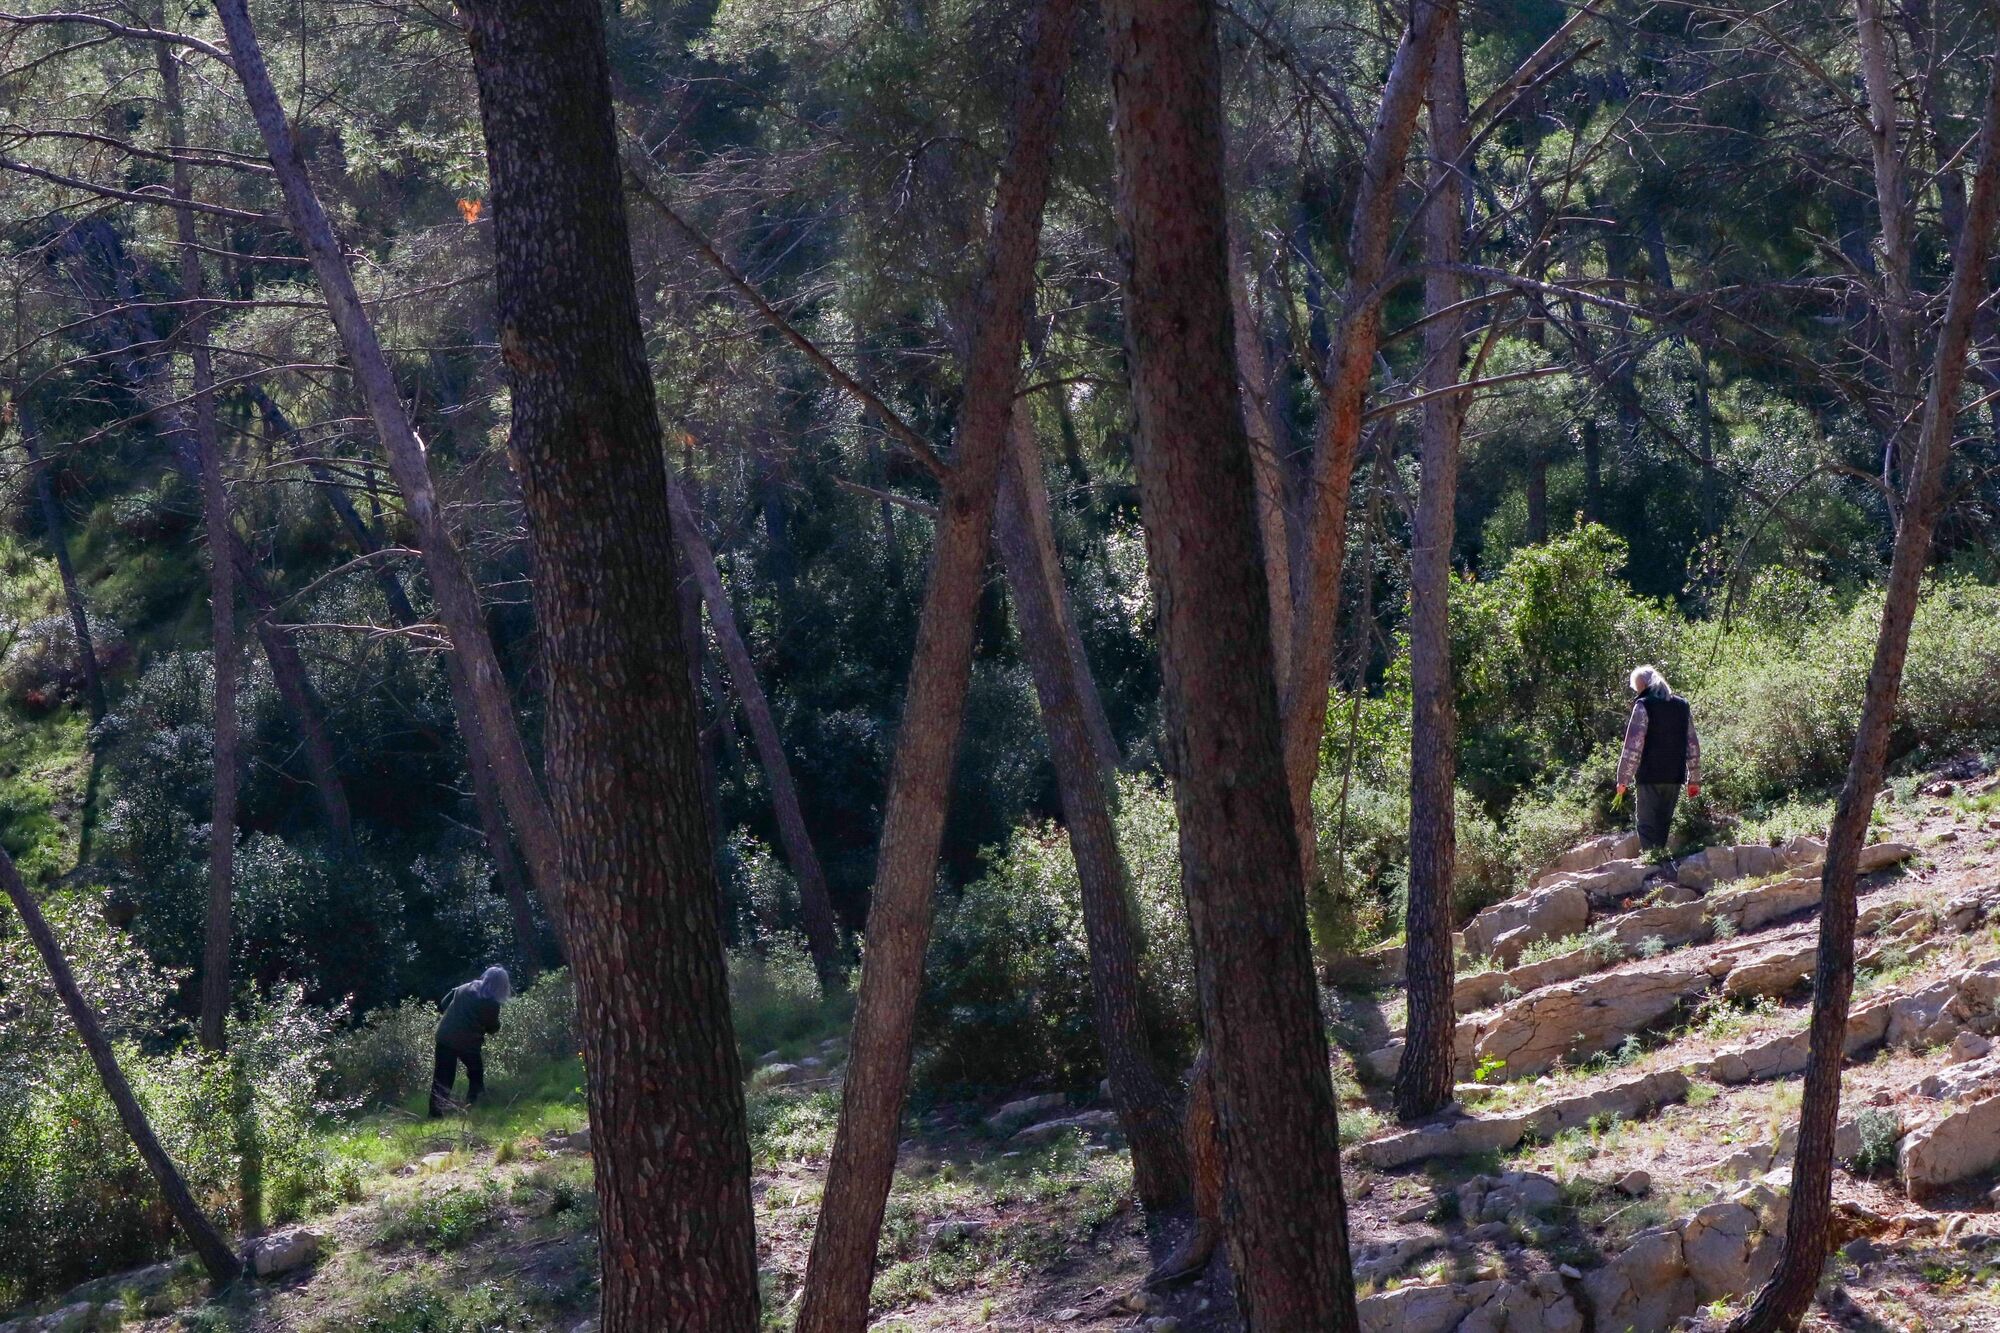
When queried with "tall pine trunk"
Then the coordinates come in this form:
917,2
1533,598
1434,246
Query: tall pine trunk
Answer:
841,1270
664,1081
1786,1297
216,1258
1424,1079
1285,1216
221,535
452,588
815,903
1146,1104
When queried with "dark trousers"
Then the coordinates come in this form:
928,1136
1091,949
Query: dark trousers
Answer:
444,1074
1656,802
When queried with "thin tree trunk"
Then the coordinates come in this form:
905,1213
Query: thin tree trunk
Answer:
288,673
1147,1107
841,1270
452,588
1424,1080
221,534
815,903
209,1246
1786,1297
1314,638
664,1080
79,615
1253,374
1041,530
1285,1217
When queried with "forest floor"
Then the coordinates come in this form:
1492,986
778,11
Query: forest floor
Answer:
488,1221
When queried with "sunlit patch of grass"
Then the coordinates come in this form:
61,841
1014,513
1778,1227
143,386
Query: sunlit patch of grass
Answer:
546,1100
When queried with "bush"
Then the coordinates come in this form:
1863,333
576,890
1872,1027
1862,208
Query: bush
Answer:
386,1058
1009,994
776,1001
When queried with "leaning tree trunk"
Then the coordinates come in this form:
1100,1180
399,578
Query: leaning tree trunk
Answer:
1315,620
209,1246
452,588
221,534
815,903
1786,1297
79,614
486,801
1285,1217
664,1080
1147,1106
841,1271
1424,1079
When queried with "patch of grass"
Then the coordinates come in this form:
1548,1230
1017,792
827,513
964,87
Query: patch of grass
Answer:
1603,948
428,1301
447,1219
788,1126
545,1100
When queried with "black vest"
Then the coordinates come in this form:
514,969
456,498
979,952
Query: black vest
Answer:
1664,758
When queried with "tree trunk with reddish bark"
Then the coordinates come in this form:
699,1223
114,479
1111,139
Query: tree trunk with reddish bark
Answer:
452,588
1285,1217
1315,619
1424,1079
815,903
216,1258
1786,1297
664,1081
841,1270
1147,1106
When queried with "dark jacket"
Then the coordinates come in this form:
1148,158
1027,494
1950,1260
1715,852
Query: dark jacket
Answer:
468,1017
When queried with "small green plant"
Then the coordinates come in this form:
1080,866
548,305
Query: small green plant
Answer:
1490,1069
446,1220
1880,1132
1723,927
1652,946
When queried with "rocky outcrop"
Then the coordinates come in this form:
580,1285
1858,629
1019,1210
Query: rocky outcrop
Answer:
1961,1145
1782,1056
1503,930
1583,1018
1025,1111
1468,1135
1540,1303
1369,970
1592,854
1670,1272
1483,990
1087,1122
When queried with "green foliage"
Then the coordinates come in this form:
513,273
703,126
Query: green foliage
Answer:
1009,999
440,1220
1880,1132
776,1002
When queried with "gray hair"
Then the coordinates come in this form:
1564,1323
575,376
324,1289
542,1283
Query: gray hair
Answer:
1648,680
495,984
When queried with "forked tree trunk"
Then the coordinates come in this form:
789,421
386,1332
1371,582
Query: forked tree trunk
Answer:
221,535
665,1085
1285,1217
1147,1106
221,1265
1315,620
841,1270
79,613
1424,1079
1785,1298
815,903
452,587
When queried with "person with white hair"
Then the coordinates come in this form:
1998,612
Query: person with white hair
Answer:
1662,754
471,1014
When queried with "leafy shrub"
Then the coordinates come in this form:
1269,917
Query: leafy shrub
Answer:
387,1056
1880,1132
1009,993
776,1000
441,1220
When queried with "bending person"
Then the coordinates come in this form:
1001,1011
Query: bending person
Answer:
471,1014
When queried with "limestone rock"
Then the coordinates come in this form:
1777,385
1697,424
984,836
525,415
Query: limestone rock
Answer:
1594,853
1512,1194
1372,970
1584,1017
283,1251
1090,1122
1645,1286
1439,1309
1969,1046
1801,849
1380,1266
1718,1243
1543,914
1635,1184
1018,1113
1672,924
1957,1147
1780,1056
953,1232
1773,974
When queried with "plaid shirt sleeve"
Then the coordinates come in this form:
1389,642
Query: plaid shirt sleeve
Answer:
1635,741
1693,756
